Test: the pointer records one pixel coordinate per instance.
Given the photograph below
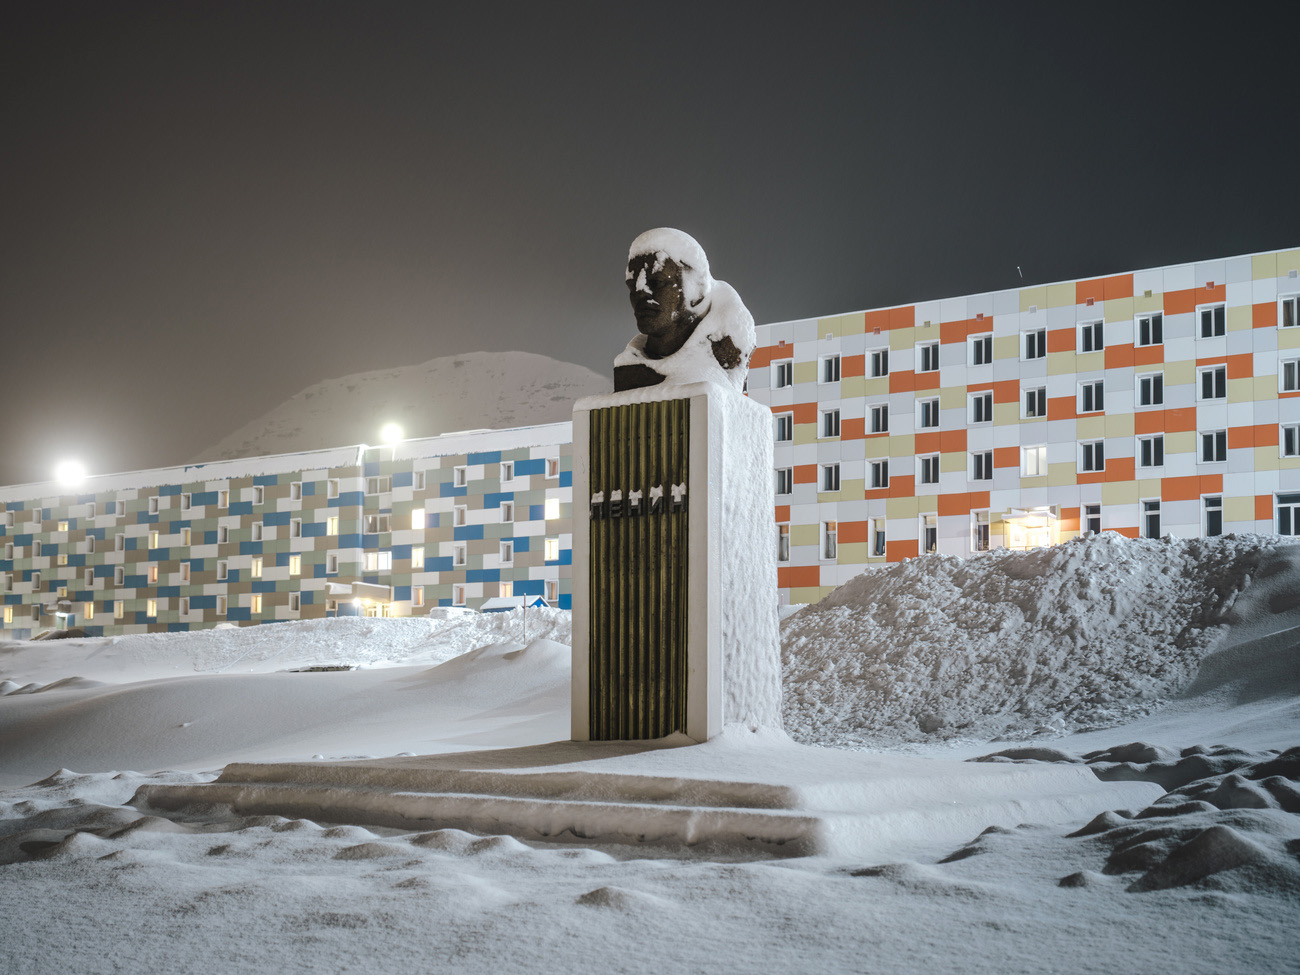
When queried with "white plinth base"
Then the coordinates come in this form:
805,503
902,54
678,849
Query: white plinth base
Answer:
763,796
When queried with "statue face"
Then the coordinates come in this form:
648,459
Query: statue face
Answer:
657,299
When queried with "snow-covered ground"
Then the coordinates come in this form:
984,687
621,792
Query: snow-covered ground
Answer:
1170,662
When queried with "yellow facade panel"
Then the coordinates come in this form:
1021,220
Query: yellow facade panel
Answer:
873,448
852,553
1238,509
1263,266
1006,347
1287,261
1036,297
809,594
805,372
1119,424
1005,414
1086,427
1183,442
902,445
952,461
1178,373
901,339
1240,318
1244,390
927,504
805,433
853,387
876,387
1120,492
1060,363
1148,487
1059,295
952,397
1062,475
1035,482
1119,309
1089,361
805,534
1266,459
901,508
1288,338
1142,303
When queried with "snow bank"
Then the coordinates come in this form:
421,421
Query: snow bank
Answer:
1090,633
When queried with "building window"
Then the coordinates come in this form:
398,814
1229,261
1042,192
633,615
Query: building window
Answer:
223,499
256,604
223,534
1214,446
981,464
1033,461
1151,329
505,590
1288,311
1213,382
878,537
1090,337
551,509
185,605
36,549
8,615
459,554
929,357
1288,514
981,350
36,581
1290,373
417,556
63,526
331,564
1150,519
119,575
507,553
1151,451
929,410
376,524
880,419
1092,397
223,570
507,511
830,477
379,561
830,423
119,542
1213,320
459,514
459,476
552,467
259,495
154,538
1036,402
255,568
981,408
784,480
1151,389
221,605
551,550
417,481
929,469
332,488
782,374
379,484
784,427
332,525
1213,516
830,369
153,506
417,596
151,608
295,565
295,602
1290,440
458,595
1092,518
552,591
879,363
152,574
1035,344
829,534
929,533
880,473
783,543
257,532
62,558
186,537
1092,456
507,470
979,534
295,528
185,572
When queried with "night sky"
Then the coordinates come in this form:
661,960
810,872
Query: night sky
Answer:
205,208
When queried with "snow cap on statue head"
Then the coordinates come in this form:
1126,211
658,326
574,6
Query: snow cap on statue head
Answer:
665,242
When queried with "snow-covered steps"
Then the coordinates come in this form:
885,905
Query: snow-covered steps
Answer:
740,792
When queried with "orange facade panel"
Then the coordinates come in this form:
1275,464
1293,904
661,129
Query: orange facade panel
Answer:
1062,408
952,441
804,412
1069,520
1180,488
1180,421
1006,456
1119,356
1120,469
902,487
1100,289
925,380
852,532
782,513
907,548
1060,340
904,317
928,443
1148,355
805,473
798,576
951,333
1126,532
853,365
853,429
954,504
1180,302
1263,315
902,382
1263,507
767,354
1239,366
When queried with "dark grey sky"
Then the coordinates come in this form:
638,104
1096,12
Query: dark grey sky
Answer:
207,207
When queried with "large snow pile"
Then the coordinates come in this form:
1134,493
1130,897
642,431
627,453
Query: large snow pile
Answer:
1090,633
463,392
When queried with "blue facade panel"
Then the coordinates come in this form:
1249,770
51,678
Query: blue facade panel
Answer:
348,499
485,457
402,593
350,541
529,587
241,508
403,478
527,468
401,552
276,518
169,490
203,498
441,563
483,575
494,499
566,479
250,548
313,529
448,490
266,480
537,512
463,533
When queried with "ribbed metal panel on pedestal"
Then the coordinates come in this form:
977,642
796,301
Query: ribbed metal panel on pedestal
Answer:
638,570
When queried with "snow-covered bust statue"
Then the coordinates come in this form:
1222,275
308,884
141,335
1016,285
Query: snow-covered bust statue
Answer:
692,328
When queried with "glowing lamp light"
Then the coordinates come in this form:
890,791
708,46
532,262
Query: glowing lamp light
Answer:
70,473
391,433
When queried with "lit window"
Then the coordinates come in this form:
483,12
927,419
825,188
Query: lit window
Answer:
295,565
1035,344
458,595
879,363
186,536
929,357
830,423
153,539
185,605
256,603
63,526
255,569
552,591
830,369
1214,446
185,572
929,469
1036,402
379,561
880,473
783,543
153,573
223,499
9,615
880,419
332,525
929,409
1151,389
1033,461
830,532
981,408
1213,320
782,374
1150,329
1092,456
151,608
552,467
417,519
417,596
784,427
981,465
505,590
551,550
1090,337
1212,382
417,556
981,350
1151,451
552,510
63,558
784,480
830,477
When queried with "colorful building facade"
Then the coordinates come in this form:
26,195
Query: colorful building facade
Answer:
446,521
1157,401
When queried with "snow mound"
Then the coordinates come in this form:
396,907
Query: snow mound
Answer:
1090,633
470,391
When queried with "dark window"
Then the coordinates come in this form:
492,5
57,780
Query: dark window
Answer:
1213,321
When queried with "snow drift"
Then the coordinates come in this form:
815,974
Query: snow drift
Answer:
1090,633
